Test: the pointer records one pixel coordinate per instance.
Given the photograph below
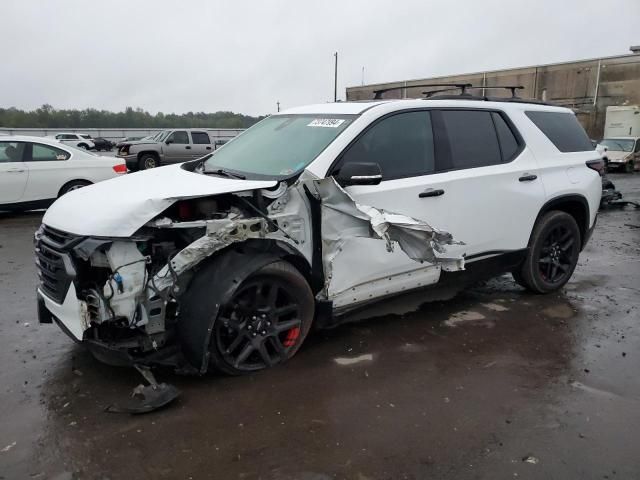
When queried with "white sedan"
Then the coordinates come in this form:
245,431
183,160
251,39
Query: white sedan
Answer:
35,171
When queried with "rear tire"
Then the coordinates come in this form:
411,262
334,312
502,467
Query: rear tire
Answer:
148,161
73,185
553,253
265,321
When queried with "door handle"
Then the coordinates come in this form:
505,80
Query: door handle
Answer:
188,147
208,148
430,192
15,170
527,178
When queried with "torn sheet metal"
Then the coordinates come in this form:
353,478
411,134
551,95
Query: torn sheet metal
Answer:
343,220
343,217
289,211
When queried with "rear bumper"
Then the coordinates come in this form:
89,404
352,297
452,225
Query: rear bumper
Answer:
130,160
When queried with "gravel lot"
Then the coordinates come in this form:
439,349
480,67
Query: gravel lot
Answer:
495,383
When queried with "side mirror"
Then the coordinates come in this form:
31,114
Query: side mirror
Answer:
169,141
359,173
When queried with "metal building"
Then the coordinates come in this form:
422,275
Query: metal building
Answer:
586,86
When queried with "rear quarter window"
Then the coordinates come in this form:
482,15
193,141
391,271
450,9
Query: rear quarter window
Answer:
563,130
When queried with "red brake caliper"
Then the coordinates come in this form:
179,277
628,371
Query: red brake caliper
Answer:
292,336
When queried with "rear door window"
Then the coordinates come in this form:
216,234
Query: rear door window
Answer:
46,153
563,130
509,145
471,139
200,138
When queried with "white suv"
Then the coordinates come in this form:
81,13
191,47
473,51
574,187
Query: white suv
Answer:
227,260
80,140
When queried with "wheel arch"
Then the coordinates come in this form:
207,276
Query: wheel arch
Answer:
228,267
144,152
83,180
575,205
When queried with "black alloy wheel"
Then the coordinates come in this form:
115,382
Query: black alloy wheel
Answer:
553,253
556,257
264,322
259,326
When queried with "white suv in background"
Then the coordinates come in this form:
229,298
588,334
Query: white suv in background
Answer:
227,260
80,140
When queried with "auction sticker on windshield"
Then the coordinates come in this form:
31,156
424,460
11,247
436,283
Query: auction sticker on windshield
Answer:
326,122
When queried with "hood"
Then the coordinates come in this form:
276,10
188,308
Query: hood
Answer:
138,142
616,155
120,206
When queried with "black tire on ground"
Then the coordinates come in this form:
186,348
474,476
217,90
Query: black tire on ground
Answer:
147,161
73,185
628,167
265,321
553,253
84,145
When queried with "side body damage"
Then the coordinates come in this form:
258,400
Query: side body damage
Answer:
134,292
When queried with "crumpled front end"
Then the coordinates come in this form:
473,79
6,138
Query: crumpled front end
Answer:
122,296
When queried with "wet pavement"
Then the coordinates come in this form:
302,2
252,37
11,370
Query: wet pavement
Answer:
494,383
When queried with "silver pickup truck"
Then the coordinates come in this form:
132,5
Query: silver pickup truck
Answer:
167,146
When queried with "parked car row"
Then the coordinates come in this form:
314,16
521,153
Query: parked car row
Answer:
84,140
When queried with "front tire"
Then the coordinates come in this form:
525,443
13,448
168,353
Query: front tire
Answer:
148,161
628,167
264,322
553,253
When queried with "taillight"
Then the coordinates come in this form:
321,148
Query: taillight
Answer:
120,168
597,165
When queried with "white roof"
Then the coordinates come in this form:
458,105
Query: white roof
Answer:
356,108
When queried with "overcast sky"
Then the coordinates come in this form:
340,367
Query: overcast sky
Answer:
241,55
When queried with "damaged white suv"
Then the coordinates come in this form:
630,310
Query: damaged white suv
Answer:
228,260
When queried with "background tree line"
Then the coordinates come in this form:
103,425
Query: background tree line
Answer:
48,117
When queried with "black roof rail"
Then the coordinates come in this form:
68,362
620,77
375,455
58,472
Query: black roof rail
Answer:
489,99
456,86
464,95
513,89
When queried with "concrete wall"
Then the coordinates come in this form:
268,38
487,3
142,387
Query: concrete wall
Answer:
114,134
586,86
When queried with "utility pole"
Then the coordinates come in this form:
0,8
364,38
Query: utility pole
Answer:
278,104
335,79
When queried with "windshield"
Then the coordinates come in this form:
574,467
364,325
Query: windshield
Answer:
279,146
160,136
618,144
